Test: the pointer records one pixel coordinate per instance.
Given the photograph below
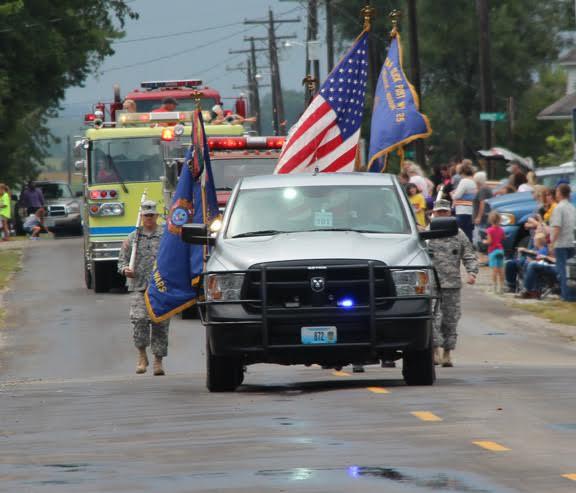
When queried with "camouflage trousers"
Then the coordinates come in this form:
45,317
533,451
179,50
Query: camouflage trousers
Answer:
446,320
145,331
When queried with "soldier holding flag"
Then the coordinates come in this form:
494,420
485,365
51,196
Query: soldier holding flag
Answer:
146,332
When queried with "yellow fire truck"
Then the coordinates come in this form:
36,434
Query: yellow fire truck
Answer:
119,161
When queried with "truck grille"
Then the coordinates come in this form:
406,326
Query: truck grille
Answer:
316,284
56,210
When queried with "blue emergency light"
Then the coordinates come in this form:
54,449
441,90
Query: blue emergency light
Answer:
346,303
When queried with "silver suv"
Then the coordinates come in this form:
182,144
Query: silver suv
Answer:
328,269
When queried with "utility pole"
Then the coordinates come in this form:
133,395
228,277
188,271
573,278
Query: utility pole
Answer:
486,95
253,86
69,159
415,72
275,80
312,61
329,35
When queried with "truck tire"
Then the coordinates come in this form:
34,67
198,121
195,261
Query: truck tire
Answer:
100,277
223,374
87,276
418,366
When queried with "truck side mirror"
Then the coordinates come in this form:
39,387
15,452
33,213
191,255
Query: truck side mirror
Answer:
440,227
196,234
80,165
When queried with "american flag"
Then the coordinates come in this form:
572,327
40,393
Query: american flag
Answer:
326,135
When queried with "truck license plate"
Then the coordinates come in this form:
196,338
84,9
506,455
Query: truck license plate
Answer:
319,335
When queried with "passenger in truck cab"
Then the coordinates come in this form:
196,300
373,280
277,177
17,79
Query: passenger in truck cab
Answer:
129,105
104,173
168,104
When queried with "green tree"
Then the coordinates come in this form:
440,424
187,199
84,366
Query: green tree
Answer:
46,46
524,36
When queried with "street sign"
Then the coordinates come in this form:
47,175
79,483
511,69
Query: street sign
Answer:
493,117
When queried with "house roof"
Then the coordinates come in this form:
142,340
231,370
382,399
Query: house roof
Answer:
559,110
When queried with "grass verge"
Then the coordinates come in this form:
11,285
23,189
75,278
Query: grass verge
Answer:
9,263
560,312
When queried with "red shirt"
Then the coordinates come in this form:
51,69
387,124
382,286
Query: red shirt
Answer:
496,235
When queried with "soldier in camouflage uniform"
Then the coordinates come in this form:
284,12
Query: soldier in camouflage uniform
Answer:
145,331
447,254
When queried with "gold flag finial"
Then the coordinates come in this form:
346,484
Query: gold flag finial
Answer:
197,96
368,12
395,17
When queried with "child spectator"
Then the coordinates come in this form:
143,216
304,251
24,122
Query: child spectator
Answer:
495,235
463,199
418,203
33,225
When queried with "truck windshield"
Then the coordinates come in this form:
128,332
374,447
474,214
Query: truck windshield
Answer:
147,105
52,191
126,160
374,209
228,171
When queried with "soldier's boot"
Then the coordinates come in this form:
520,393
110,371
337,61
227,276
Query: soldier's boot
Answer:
437,356
446,360
142,361
158,370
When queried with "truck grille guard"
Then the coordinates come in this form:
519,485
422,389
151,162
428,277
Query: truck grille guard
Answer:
265,312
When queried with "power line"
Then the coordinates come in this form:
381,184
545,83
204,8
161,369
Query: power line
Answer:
175,54
173,35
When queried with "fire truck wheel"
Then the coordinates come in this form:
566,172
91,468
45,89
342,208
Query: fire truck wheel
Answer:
100,277
87,276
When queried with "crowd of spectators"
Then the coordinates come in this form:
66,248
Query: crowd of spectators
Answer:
532,271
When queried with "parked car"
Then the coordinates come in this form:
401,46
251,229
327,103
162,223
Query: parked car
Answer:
62,209
516,208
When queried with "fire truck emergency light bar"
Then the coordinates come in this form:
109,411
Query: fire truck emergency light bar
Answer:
235,143
157,84
164,116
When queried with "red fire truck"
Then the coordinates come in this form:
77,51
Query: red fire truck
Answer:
236,157
151,94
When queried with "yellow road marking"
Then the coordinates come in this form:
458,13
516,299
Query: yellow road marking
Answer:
426,416
572,477
340,374
378,390
492,446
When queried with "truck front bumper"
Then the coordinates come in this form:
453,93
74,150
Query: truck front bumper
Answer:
377,329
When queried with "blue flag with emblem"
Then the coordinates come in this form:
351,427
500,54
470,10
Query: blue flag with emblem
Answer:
396,119
174,283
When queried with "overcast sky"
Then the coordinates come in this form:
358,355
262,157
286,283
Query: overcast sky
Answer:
173,55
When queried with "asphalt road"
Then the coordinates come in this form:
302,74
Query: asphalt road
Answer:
74,416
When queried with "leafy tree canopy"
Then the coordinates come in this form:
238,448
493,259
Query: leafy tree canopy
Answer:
525,42
46,46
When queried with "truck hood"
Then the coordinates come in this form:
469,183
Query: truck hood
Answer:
242,253
510,200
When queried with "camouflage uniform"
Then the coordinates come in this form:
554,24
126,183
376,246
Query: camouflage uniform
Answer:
145,331
446,254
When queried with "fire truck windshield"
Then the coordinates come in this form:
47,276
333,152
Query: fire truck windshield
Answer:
189,104
228,171
126,160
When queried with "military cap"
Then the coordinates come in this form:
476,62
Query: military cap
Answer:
442,205
148,207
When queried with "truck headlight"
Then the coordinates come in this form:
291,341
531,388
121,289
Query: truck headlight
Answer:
507,219
412,282
224,287
73,208
108,209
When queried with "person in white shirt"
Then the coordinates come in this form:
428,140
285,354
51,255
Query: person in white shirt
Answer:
463,200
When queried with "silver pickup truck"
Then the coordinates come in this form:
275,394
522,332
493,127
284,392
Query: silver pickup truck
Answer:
328,269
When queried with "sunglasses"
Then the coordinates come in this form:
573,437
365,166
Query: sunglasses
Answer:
149,215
